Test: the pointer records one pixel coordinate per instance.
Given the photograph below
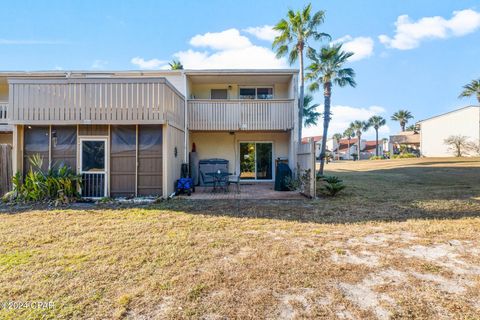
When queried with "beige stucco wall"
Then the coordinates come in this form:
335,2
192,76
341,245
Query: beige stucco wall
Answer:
227,146
202,90
464,122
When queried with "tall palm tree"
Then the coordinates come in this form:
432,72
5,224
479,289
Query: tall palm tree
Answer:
327,69
376,122
295,32
310,114
359,127
402,116
337,137
349,134
176,65
471,89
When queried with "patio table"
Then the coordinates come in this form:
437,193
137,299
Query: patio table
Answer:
220,180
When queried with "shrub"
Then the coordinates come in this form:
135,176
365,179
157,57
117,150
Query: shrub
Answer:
331,185
404,156
376,158
59,185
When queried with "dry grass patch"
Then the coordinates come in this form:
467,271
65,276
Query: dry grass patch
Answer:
384,249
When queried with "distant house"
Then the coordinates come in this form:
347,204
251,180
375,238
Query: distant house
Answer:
434,131
406,140
343,151
318,143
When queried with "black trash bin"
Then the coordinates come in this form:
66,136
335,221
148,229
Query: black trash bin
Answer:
282,175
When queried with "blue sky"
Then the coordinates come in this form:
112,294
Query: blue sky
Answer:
419,64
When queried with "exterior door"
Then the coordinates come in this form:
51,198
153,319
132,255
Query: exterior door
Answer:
256,160
93,167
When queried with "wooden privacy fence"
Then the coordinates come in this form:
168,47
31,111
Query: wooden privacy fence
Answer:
5,168
306,167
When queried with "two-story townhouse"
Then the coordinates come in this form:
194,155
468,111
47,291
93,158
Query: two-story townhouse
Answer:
128,132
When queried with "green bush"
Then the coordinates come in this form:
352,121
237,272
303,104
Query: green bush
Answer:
404,156
331,185
59,185
376,158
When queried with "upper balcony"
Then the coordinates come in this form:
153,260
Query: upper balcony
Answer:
233,115
241,100
95,101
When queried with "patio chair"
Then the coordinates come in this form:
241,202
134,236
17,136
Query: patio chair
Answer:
234,179
207,180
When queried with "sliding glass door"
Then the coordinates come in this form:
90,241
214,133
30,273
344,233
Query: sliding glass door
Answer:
256,160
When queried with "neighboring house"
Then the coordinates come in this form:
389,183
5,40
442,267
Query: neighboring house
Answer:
409,141
367,147
318,144
128,133
461,122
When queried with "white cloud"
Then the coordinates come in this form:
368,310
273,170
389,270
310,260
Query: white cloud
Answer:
362,47
248,57
409,34
221,50
265,32
99,64
224,40
342,116
148,64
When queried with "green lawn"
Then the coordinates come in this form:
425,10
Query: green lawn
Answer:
402,241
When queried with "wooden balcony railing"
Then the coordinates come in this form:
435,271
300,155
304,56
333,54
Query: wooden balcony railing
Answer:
247,115
95,101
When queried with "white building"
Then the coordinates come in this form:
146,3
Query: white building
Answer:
434,131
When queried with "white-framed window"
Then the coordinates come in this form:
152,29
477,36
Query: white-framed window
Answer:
261,93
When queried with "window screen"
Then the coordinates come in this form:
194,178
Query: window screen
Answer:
36,142
218,93
64,146
123,160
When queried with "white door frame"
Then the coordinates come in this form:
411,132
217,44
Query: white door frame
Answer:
107,158
273,160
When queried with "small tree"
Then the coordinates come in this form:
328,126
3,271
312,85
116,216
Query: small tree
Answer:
459,145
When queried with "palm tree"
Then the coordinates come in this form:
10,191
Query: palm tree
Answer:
349,134
402,116
376,122
471,89
358,127
326,70
310,114
411,127
295,32
176,65
337,137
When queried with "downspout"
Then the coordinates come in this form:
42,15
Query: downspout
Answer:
185,138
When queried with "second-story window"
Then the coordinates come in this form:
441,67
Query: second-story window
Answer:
264,93
256,93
